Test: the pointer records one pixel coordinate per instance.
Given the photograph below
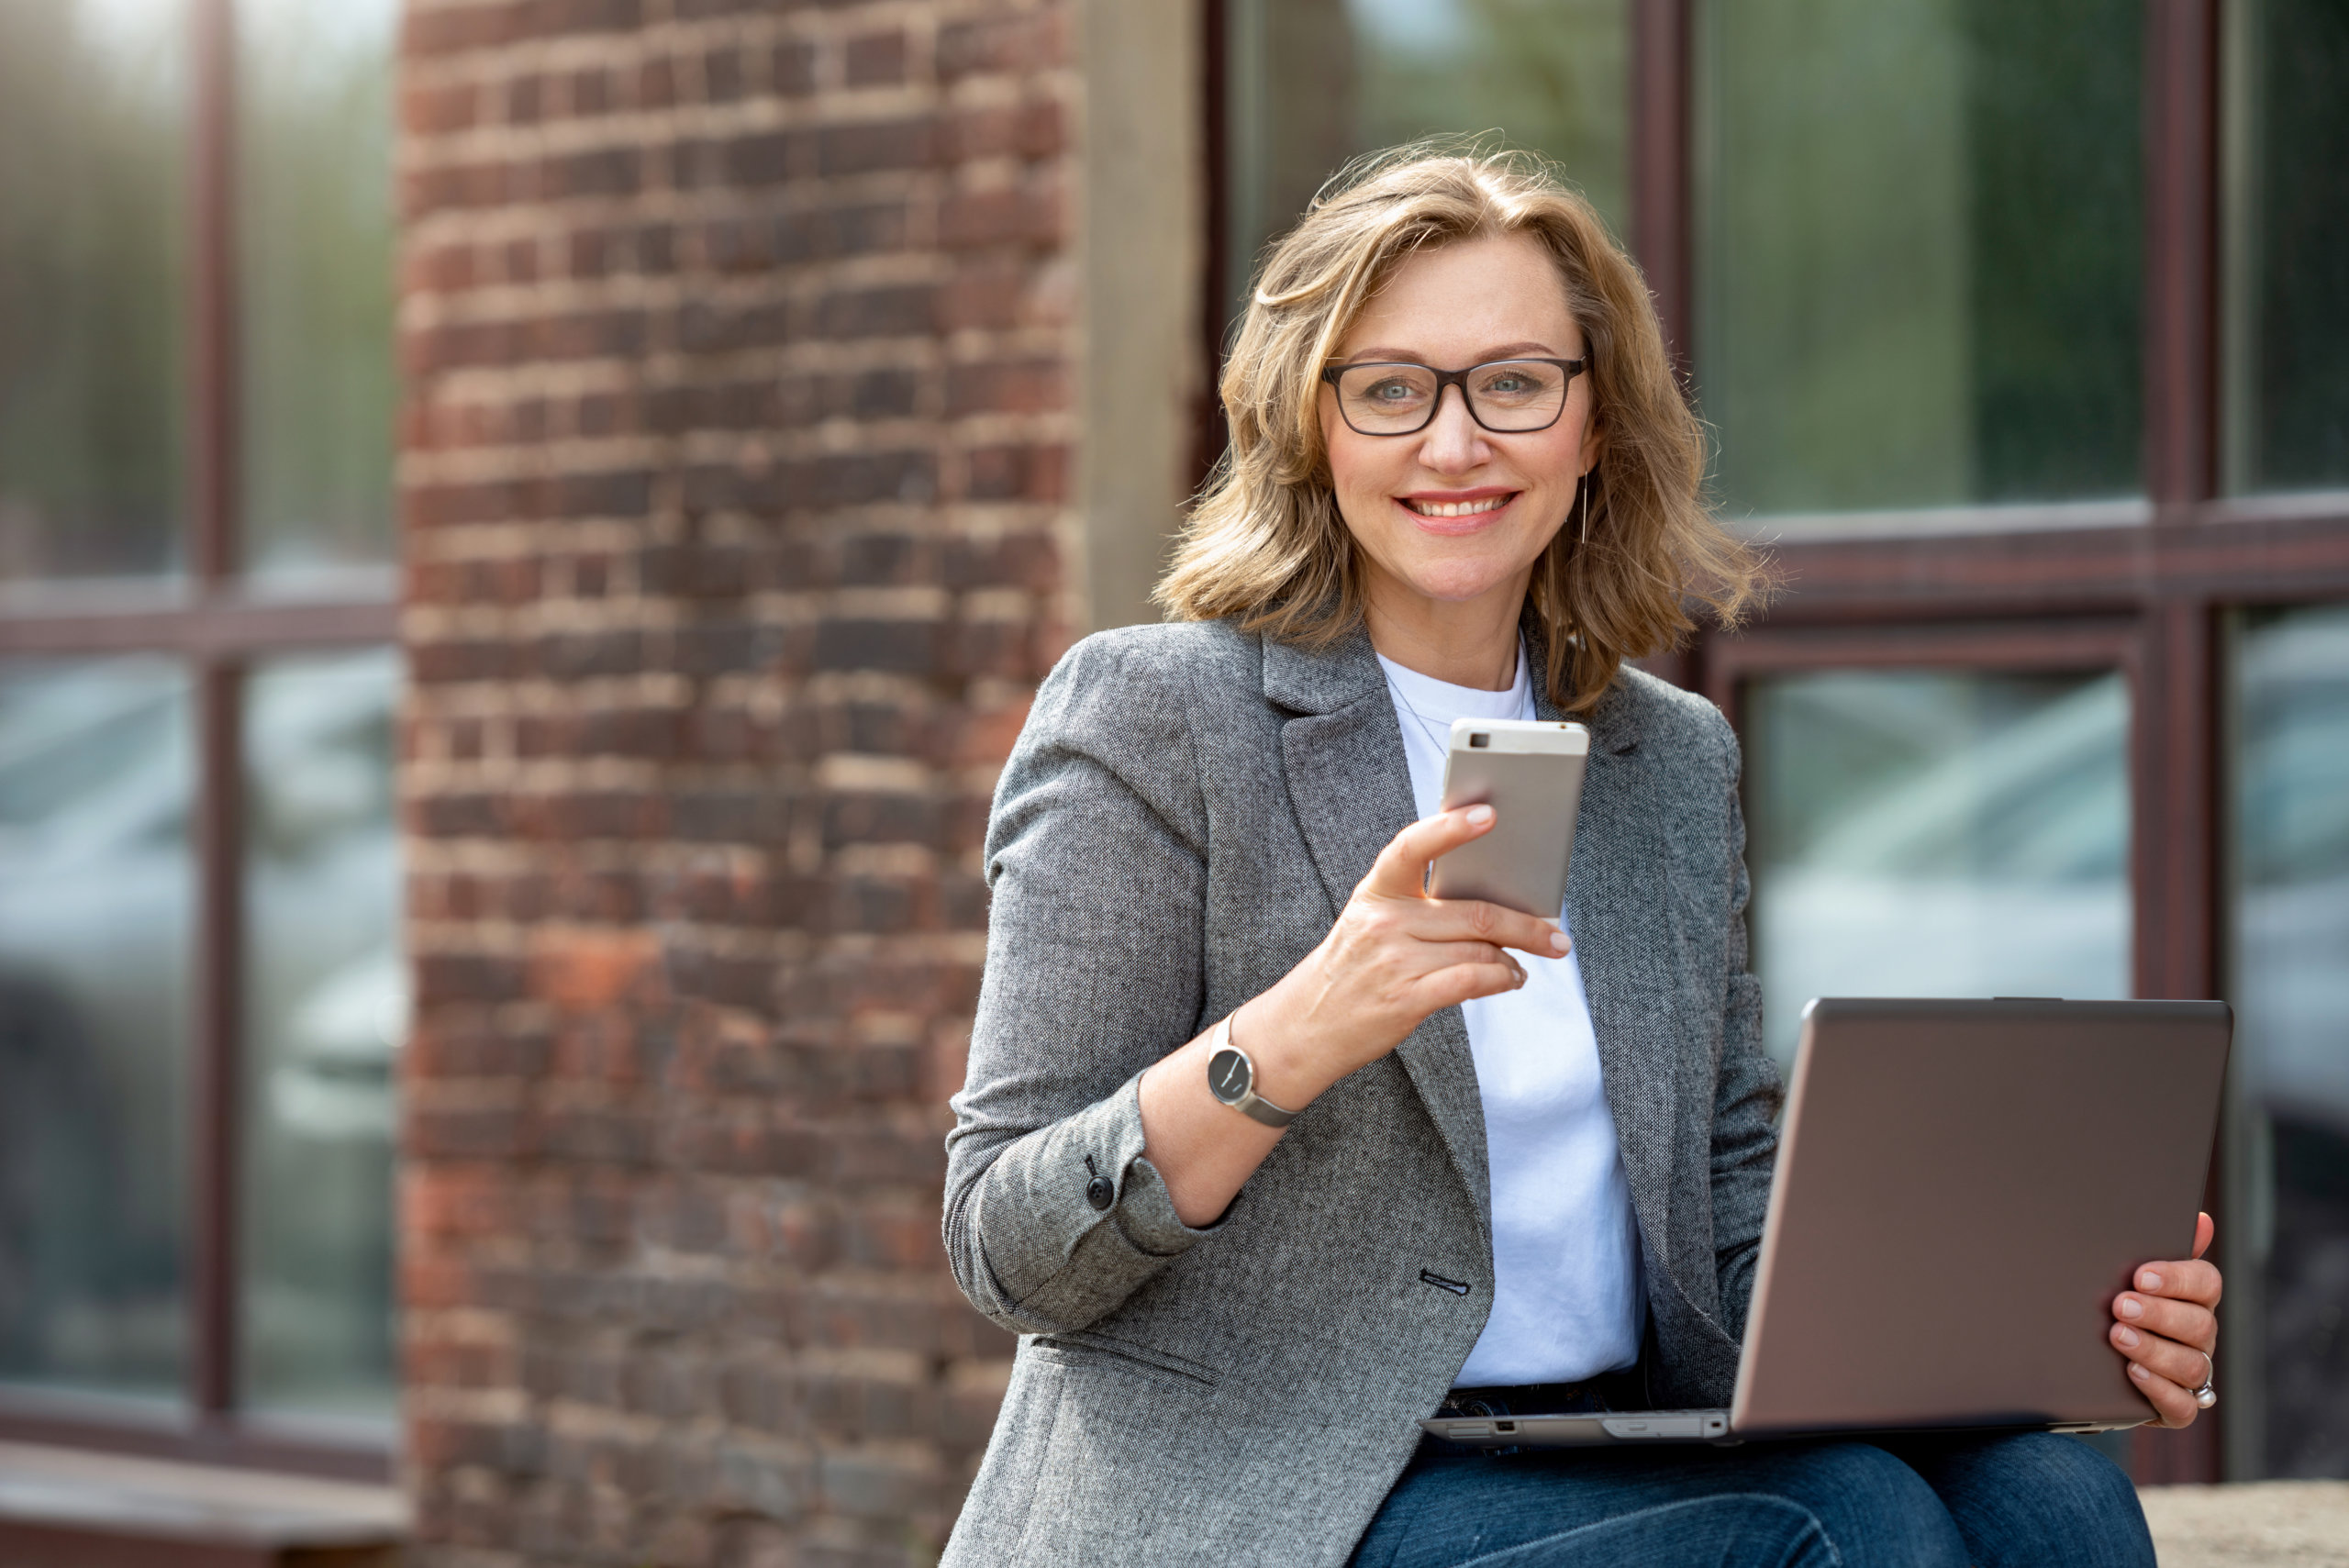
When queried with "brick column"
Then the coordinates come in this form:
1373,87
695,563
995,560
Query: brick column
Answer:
737,341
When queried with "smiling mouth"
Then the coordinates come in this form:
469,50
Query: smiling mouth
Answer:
1459,508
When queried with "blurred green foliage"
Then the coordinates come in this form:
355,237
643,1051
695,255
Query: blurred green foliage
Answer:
1921,231
91,286
318,240
2290,264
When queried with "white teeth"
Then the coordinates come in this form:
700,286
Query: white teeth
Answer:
1455,508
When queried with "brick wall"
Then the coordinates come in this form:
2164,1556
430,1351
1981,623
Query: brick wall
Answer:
739,342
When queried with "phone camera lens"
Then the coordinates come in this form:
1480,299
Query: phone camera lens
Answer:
1480,742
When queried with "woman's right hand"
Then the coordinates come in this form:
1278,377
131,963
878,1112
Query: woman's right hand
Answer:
1394,956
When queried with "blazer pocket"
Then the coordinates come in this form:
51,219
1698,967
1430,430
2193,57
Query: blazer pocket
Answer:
1083,1348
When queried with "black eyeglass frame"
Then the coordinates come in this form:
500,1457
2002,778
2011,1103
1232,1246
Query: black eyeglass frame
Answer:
1458,378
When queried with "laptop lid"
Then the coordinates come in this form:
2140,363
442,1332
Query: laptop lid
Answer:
1962,1188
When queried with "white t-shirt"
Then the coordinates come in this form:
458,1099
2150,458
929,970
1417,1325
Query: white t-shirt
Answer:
1567,1297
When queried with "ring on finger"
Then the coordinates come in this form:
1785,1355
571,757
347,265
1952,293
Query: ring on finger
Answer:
2206,1395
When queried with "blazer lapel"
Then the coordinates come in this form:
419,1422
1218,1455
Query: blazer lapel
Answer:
1350,789
1619,909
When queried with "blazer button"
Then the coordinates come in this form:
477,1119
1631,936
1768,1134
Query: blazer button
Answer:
1099,1192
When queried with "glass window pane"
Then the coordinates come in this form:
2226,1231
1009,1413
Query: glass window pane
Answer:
1919,271
315,182
1931,833
328,1011
2291,993
96,887
1313,82
93,110
2287,273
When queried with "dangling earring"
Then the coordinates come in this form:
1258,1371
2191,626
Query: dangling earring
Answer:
1585,506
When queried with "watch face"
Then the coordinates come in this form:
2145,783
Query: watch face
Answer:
1229,1077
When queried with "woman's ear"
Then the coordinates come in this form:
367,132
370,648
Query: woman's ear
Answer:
1594,434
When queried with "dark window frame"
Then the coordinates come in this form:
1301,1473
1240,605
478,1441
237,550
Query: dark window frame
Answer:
2171,581
208,619
2034,590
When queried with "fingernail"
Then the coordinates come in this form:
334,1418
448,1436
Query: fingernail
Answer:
2132,1307
2139,1372
1479,815
2126,1337
1558,942
2148,1280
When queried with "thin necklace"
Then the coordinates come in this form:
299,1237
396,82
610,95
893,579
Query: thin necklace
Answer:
1439,737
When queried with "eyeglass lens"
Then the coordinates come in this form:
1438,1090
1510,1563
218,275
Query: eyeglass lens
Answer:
1394,399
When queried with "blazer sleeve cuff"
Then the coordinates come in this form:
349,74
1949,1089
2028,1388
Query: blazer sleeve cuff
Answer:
1074,1221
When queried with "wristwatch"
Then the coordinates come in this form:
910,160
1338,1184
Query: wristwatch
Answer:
1231,1078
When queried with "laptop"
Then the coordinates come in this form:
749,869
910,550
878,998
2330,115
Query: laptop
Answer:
2064,1143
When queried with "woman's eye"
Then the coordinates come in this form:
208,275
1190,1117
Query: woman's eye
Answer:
1391,391
1513,384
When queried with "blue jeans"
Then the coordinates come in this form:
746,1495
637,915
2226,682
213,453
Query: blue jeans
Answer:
2034,1498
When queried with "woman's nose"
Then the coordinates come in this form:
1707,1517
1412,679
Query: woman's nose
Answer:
1451,440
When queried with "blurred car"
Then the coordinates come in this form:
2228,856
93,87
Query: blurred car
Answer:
2001,866
1997,868
97,896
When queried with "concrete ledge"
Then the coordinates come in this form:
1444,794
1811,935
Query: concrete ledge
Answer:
61,1507
2262,1524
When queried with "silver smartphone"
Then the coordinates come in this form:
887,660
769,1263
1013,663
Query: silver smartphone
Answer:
1529,771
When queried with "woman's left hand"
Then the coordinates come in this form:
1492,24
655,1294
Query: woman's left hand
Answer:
2168,1327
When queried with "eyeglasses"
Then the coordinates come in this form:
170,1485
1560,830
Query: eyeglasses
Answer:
1508,397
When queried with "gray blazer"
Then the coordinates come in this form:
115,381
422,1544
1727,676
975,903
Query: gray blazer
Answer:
1186,811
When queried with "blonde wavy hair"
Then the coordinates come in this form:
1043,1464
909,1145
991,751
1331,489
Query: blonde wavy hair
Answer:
1265,545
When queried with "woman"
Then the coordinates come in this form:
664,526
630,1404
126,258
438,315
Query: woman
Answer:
1528,1159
